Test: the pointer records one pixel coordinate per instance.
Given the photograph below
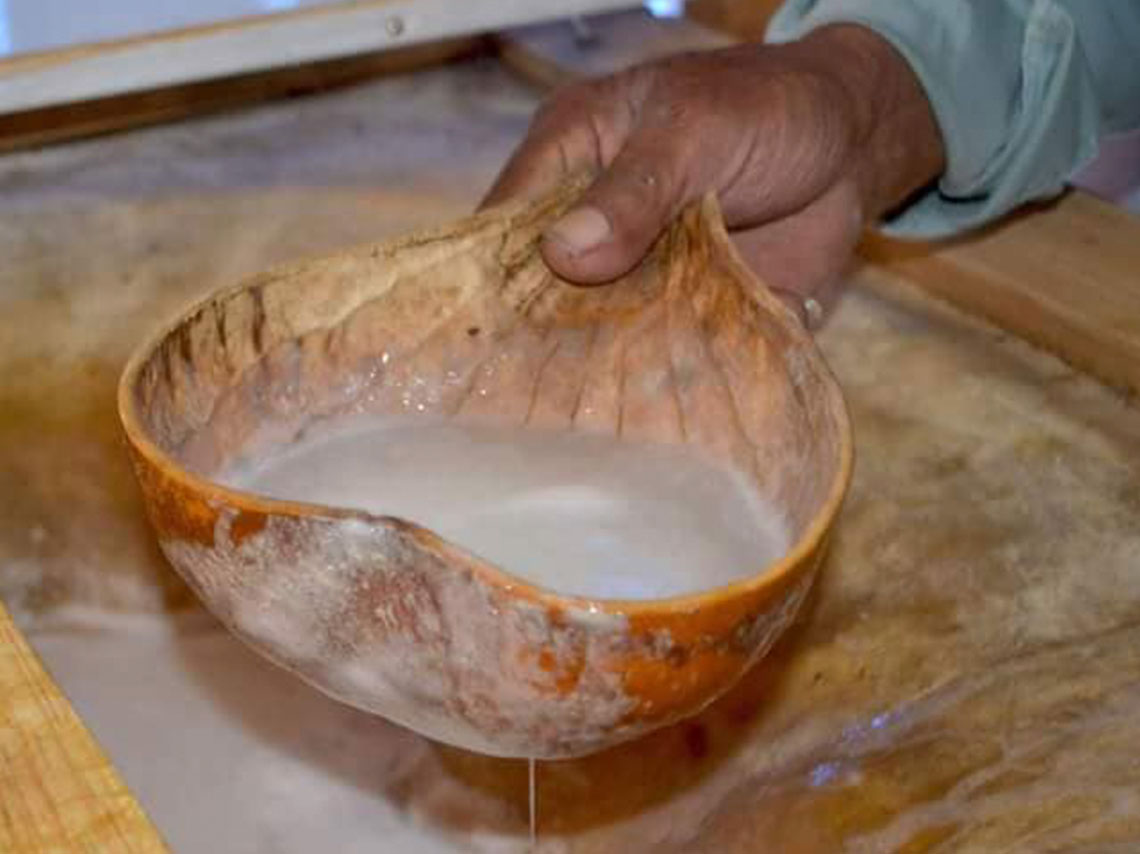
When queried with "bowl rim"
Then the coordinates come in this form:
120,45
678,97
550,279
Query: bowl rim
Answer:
770,575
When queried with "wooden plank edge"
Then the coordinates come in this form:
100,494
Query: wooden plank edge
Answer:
69,122
258,43
59,793
981,276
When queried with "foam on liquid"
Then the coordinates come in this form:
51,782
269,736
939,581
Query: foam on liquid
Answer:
583,515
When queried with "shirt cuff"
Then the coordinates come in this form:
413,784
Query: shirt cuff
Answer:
1010,89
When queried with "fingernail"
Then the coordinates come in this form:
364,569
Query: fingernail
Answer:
581,230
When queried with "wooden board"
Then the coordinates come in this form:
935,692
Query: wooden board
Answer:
58,791
745,19
118,112
1065,277
143,63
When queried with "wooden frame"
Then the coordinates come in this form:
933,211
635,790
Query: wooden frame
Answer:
40,80
118,112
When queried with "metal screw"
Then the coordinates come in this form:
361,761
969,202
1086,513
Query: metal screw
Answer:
394,26
585,36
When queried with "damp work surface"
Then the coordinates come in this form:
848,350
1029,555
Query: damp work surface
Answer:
582,515
966,677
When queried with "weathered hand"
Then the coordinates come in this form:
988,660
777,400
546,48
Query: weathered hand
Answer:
803,143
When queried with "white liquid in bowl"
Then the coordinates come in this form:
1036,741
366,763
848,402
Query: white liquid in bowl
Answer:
580,515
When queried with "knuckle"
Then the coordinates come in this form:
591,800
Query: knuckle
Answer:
572,99
549,113
559,108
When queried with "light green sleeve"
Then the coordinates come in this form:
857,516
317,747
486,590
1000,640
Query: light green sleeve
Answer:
1023,91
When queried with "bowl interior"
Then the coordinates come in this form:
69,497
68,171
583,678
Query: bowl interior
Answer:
468,324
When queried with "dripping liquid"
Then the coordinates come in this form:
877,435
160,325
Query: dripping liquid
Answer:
533,806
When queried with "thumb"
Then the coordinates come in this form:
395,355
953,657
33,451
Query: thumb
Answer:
619,217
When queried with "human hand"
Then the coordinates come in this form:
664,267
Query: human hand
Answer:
803,144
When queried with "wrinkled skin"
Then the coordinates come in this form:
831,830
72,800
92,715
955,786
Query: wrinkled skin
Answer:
804,145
